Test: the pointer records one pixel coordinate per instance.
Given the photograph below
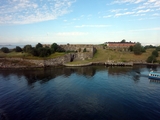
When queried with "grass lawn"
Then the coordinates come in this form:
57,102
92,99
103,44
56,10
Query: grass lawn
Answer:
28,56
102,55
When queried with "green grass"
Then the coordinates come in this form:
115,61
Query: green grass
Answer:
79,62
27,55
102,55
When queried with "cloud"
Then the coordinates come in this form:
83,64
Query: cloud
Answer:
134,8
127,1
143,11
126,13
30,11
94,26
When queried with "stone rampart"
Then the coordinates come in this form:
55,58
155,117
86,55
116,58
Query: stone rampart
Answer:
84,51
38,63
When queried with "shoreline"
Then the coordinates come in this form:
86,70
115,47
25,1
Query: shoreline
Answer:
75,65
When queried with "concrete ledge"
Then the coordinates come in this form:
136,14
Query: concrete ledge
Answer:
77,65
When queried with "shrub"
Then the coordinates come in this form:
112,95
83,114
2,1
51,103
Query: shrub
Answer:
155,53
18,49
5,49
151,59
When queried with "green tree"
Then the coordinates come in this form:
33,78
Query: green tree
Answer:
151,59
155,53
130,48
54,47
44,52
137,49
27,48
18,49
39,45
5,49
158,48
123,41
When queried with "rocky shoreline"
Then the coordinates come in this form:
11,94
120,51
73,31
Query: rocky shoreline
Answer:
16,63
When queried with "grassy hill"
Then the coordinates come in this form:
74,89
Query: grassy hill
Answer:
103,55
14,54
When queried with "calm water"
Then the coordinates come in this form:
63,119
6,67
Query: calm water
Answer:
86,93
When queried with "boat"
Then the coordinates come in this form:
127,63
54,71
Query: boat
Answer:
154,75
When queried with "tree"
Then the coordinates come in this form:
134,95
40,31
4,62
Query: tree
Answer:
151,59
54,47
155,53
5,49
39,45
137,49
27,48
123,41
18,49
158,48
44,52
130,48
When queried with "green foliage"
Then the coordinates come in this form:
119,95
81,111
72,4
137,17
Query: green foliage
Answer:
54,47
5,49
84,50
59,49
151,59
158,48
137,49
18,49
44,52
27,48
142,49
123,41
130,48
149,46
41,52
39,45
155,53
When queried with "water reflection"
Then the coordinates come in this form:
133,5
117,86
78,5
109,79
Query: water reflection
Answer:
46,74
94,92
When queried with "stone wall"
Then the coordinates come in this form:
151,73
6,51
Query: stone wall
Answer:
83,51
37,63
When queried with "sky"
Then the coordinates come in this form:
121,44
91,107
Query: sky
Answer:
79,21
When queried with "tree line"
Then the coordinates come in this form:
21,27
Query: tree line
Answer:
38,50
138,49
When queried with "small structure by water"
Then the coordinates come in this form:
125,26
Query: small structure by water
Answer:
118,64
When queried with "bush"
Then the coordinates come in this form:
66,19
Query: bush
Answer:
151,59
137,49
5,49
158,48
39,45
27,48
155,53
18,49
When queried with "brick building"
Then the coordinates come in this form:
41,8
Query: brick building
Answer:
115,45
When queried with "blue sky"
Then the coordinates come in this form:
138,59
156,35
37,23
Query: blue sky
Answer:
79,21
